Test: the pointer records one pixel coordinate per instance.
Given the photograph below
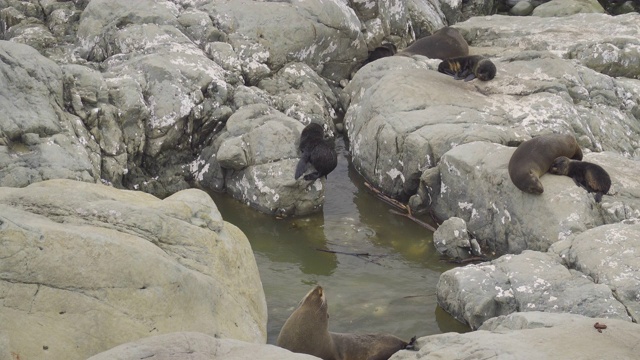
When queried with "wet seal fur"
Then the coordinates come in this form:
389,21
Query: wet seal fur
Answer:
306,331
468,68
317,151
534,157
585,174
443,44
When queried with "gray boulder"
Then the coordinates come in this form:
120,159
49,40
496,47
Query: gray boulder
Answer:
472,182
567,7
606,255
196,346
533,336
38,140
451,239
77,254
255,157
531,281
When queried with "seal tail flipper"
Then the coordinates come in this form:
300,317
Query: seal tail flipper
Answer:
313,176
302,166
598,196
412,344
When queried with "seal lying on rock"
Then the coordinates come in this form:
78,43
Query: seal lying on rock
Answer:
315,151
384,50
443,44
468,68
306,331
534,157
588,175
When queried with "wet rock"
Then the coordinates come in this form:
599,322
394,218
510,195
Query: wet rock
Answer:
451,239
174,346
564,336
137,265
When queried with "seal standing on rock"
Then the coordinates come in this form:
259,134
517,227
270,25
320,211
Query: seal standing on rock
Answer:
588,175
315,151
443,44
306,331
534,157
468,68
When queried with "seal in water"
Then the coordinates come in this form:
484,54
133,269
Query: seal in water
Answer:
315,151
534,157
443,44
306,331
588,175
468,68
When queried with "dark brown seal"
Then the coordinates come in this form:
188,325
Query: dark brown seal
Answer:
468,68
443,44
306,331
588,175
534,157
316,151
384,50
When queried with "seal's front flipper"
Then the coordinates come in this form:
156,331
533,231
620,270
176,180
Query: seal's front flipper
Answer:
470,77
302,166
312,176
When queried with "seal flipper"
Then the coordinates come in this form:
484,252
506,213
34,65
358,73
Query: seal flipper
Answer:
470,77
412,344
302,166
598,196
313,176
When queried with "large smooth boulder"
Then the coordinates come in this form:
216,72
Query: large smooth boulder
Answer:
533,336
196,346
87,267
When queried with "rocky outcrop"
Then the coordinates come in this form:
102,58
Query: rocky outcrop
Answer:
531,336
144,89
594,274
404,117
87,267
178,346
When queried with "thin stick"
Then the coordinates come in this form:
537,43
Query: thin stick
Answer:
346,253
399,205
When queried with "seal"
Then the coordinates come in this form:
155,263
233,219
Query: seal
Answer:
316,151
384,50
468,68
306,331
534,157
443,44
588,175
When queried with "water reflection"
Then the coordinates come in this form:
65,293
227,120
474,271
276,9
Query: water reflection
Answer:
393,291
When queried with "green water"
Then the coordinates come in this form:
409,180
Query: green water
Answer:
391,292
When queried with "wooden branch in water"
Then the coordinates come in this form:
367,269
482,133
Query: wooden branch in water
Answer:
348,253
399,205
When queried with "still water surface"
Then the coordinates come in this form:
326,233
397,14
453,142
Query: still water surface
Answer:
392,292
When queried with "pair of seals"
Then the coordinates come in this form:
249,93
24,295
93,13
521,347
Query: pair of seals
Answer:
588,175
306,331
468,68
534,157
315,151
443,44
